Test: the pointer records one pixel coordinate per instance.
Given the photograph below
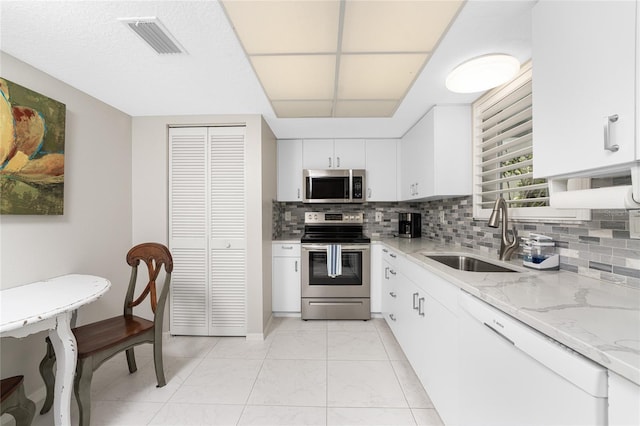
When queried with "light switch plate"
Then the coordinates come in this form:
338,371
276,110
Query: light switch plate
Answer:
378,216
287,215
634,224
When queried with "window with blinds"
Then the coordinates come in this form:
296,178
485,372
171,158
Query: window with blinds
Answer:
503,153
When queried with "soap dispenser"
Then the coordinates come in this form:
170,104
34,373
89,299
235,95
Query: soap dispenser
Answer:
539,252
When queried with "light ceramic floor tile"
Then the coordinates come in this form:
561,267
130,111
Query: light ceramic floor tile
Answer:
289,324
363,384
110,413
427,417
351,325
240,347
197,414
414,392
188,346
219,381
369,417
291,382
299,345
268,415
356,345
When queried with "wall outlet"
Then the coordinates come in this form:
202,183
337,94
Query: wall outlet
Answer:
441,216
287,215
378,216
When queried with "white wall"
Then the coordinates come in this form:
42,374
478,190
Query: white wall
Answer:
94,234
150,177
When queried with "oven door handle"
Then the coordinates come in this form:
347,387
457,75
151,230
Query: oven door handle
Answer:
353,247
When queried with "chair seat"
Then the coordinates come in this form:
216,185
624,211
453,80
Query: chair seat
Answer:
8,386
97,336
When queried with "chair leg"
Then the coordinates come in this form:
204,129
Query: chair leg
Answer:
20,407
82,389
157,359
131,360
48,376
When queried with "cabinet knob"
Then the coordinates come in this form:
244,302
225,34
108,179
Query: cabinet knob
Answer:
607,133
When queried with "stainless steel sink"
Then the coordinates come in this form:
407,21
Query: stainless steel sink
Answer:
467,263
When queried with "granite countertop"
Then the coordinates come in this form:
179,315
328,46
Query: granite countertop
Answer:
600,320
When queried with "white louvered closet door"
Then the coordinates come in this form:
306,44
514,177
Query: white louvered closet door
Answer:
207,231
227,246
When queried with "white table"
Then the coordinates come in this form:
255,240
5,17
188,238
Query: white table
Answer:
48,305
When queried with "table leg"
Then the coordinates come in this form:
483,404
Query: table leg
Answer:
64,344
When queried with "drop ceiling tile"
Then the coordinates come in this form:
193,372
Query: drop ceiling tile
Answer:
301,26
296,77
386,76
302,109
365,108
396,26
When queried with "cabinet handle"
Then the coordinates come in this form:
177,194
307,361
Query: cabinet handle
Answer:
385,251
393,318
369,193
421,307
392,294
295,267
337,161
329,162
607,133
287,247
228,245
392,271
298,193
393,255
415,301
386,272
416,188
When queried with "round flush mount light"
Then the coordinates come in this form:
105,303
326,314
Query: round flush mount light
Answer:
482,73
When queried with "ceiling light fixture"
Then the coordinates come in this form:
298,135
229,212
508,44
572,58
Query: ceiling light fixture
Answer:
482,73
154,34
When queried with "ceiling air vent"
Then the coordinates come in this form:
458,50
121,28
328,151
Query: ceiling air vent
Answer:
154,33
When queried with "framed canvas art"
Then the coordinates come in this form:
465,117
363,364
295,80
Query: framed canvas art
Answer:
32,131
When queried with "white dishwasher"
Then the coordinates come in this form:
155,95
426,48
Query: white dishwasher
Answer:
513,375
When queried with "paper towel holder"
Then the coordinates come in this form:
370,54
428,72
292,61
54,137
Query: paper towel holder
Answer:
576,193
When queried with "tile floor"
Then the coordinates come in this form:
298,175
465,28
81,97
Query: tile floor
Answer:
303,373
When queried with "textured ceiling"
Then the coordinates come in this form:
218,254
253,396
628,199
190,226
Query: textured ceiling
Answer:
83,44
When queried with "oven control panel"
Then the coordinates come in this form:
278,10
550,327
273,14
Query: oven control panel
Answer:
333,218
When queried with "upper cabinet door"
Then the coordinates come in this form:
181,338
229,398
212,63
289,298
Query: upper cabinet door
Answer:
317,154
381,169
584,85
290,170
349,154
333,154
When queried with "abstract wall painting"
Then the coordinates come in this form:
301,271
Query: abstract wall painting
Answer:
32,132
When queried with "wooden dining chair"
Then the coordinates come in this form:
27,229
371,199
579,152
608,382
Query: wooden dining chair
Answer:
99,341
13,401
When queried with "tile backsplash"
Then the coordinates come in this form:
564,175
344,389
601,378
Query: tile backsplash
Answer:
599,248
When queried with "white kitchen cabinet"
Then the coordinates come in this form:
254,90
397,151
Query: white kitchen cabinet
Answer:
624,401
380,162
285,291
421,310
584,72
435,155
290,170
333,154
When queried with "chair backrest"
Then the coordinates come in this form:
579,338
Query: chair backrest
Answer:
155,256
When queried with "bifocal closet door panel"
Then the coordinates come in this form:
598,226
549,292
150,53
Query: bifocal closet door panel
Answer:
227,243
188,300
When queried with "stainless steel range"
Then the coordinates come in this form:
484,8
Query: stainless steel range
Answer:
336,260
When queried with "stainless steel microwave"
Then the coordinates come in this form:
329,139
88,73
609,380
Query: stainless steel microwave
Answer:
334,186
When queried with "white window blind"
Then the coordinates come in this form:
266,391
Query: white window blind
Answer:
503,153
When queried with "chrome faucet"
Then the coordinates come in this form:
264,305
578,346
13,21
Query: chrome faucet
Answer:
507,246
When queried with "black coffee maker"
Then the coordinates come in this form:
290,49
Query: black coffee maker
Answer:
410,225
